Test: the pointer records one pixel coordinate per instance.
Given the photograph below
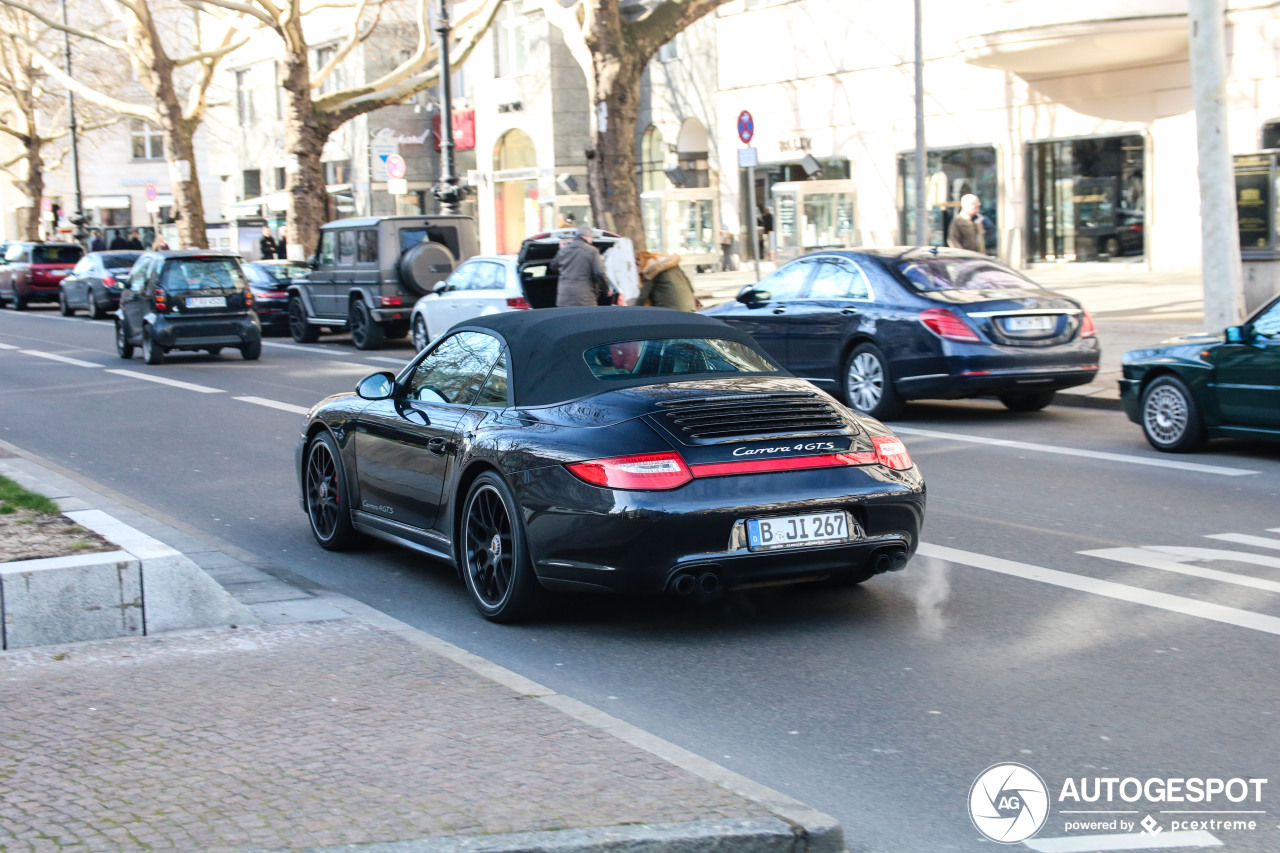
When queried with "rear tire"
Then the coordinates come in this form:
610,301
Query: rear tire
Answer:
19,302
326,494
1171,419
94,309
1029,402
251,351
124,349
867,387
366,333
152,353
302,331
493,554
421,336
63,308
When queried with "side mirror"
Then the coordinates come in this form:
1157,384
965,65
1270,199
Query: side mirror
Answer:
313,261
377,386
750,296
1239,334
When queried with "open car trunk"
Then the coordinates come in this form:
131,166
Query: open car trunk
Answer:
534,263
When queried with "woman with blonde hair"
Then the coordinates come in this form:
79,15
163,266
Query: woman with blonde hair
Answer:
663,284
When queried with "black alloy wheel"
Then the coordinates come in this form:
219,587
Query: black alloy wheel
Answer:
252,351
495,559
421,337
124,349
1171,419
1029,401
867,387
325,485
366,333
302,331
152,352
63,308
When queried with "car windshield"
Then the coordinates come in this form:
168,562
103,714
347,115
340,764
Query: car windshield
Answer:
56,254
674,357
202,274
119,262
961,274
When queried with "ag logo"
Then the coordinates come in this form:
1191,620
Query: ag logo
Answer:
1008,803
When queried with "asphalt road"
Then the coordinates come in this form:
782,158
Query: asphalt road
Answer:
1041,624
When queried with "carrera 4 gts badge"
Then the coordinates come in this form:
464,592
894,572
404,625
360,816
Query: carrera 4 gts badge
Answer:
385,510
803,447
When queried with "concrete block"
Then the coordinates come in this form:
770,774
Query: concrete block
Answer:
180,595
71,599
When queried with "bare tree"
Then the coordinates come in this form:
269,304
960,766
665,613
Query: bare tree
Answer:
311,116
613,53
178,105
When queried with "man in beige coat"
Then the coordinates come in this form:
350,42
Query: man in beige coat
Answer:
966,231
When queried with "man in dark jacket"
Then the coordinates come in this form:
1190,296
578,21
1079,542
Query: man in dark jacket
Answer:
119,242
966,231
267,245
134,241
580,270
96,243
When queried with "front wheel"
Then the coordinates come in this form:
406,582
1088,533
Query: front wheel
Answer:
1171,419
252,350
152,352
366,333
867,386
63,307
325,491
496,566
1027,402
302,331
124,349
421,337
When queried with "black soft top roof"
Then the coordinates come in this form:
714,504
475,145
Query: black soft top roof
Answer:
547,346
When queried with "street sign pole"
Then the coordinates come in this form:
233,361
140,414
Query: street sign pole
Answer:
749,158
751,218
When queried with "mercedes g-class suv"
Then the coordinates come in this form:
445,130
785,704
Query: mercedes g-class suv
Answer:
368,272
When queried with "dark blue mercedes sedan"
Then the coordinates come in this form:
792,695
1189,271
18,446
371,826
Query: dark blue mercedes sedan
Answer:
882,326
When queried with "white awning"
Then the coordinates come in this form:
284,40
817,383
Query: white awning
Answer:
106,202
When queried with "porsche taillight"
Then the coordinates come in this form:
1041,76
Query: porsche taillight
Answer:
640,472
891,452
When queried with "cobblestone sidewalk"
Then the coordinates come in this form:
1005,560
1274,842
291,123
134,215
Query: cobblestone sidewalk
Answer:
307,735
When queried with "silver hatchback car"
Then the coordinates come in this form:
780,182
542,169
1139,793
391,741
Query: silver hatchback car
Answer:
485,284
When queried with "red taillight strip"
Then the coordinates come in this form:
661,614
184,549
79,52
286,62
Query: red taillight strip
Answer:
793,463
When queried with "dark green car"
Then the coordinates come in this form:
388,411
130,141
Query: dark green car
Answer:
1191,389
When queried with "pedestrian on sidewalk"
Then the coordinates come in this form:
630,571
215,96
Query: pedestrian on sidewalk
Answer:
663,283
267,245
966,231
726,250
580,270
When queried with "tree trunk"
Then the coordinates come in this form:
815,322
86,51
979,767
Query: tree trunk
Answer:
305,134
32,143
187,197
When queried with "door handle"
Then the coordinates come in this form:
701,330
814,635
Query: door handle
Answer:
781,309
438,445
849,312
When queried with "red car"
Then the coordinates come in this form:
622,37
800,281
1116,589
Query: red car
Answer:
33,272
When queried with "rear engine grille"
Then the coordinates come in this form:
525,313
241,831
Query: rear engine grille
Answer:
755,414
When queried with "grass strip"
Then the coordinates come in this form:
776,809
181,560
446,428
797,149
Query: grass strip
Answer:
14,497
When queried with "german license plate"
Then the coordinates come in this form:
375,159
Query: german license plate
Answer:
789,531
1029,324
206,302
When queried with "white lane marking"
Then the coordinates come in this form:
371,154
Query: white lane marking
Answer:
1073,451
9,346
203,389
1124,841
62,358
1246,539
1179,552
385,360
323,349
1110,589
274,404
1147,559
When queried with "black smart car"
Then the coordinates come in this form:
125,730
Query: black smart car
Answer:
191,299
609,449
881,326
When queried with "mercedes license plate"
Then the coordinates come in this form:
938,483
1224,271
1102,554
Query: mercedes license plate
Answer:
206,302
789,531
1029,324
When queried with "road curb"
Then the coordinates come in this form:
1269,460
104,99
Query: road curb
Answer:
1085,401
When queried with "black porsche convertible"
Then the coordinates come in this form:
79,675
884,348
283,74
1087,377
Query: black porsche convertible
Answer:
608,449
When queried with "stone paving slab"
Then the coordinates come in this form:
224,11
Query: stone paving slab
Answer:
309,735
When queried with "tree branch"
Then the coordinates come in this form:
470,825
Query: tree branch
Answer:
100,98
249,9
215,54
569,22
664,22
353,39
115,44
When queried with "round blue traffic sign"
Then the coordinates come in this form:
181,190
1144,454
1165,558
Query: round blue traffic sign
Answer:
746,127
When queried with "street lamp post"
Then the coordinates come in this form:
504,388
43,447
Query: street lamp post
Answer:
447,188
922,238
78,217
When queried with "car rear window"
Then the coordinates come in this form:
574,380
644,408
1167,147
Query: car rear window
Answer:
202,274
674,357
961,274
281,273
120,262
56,254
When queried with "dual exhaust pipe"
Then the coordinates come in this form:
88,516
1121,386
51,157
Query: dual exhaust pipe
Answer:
889,560
687,584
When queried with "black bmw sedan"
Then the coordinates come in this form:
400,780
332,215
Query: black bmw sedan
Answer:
882,326
626,450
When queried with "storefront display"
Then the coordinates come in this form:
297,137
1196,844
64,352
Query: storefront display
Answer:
951,173
1087,199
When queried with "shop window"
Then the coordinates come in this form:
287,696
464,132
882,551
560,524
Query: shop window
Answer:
652,161
147,141
510,42
950,173
1087,199
691,158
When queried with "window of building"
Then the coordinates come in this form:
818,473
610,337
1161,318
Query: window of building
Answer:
691,156
278,76
337,172
334,81
252,183
670,51
282,179
652,160
1087,199
147,140
949,174
1271,135
244,98
510,42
